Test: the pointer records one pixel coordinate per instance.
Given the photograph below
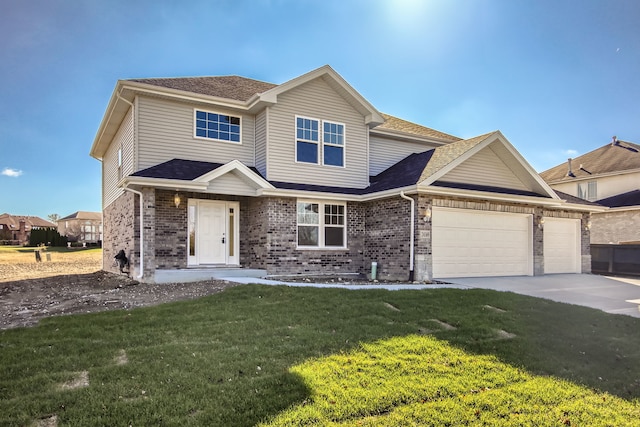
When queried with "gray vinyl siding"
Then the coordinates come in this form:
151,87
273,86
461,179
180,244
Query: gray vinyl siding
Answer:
485,168
166,131
386,152
316,100
124,139
261,142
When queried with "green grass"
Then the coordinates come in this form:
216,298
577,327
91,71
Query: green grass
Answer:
296,356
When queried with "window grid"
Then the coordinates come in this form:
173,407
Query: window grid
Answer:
326,231
216,126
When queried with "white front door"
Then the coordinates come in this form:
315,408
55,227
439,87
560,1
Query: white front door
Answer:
213,231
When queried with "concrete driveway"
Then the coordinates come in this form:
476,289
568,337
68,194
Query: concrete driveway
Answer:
611,294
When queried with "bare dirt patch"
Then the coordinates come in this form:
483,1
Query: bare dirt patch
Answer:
75,283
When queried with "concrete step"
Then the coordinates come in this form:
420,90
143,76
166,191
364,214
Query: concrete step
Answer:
201,274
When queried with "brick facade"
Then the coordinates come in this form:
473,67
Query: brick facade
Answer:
376,231
271,241
121,231
615,227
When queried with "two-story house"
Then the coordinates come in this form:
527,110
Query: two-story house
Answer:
205,174
82,226
609,176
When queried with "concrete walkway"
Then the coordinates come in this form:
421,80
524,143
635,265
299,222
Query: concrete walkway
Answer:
613,295
610,294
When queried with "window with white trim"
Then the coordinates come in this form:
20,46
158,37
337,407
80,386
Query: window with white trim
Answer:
221,127
321,225
333,144
307,140
311,148
588,190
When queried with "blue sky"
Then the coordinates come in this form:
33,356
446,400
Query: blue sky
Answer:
558,78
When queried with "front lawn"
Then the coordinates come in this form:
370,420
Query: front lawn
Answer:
295,356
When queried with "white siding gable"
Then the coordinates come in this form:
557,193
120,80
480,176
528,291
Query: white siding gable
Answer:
485,168
316,99
232,183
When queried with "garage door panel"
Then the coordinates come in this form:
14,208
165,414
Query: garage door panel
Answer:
474,243
561,246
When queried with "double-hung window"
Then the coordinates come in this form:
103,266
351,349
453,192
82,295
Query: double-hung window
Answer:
307,140
221,127
321,225
333,143
588,190
319,147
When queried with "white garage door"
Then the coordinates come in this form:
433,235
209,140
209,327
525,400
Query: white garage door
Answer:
474,243
561,245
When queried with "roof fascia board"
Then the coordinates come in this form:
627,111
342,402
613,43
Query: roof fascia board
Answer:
408,136
111,106
234,165
624,208
337,196
594,176
180,184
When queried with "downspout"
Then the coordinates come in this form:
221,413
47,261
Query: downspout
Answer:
141,234
412,228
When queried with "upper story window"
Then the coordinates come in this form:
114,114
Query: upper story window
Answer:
308,142
588,190
216,126
333,144
120,163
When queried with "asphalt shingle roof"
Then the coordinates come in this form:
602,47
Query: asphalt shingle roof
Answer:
606,159
394,123
631,198
230,87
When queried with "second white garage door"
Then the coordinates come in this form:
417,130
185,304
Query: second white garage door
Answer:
562,245
470,243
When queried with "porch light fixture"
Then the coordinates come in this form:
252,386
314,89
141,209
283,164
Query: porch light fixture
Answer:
176,199
427,215
540,223
587,226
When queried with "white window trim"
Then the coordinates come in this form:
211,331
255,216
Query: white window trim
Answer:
320,142
588,190
204,138
321,225
296,139
343,145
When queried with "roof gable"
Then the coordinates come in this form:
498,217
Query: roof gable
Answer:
231,178
372,116
487,161
608,159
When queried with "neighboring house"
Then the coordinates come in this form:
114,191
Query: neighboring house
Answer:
81,226
610,176
201,175
16,229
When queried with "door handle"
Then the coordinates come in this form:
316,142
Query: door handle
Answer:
223,240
